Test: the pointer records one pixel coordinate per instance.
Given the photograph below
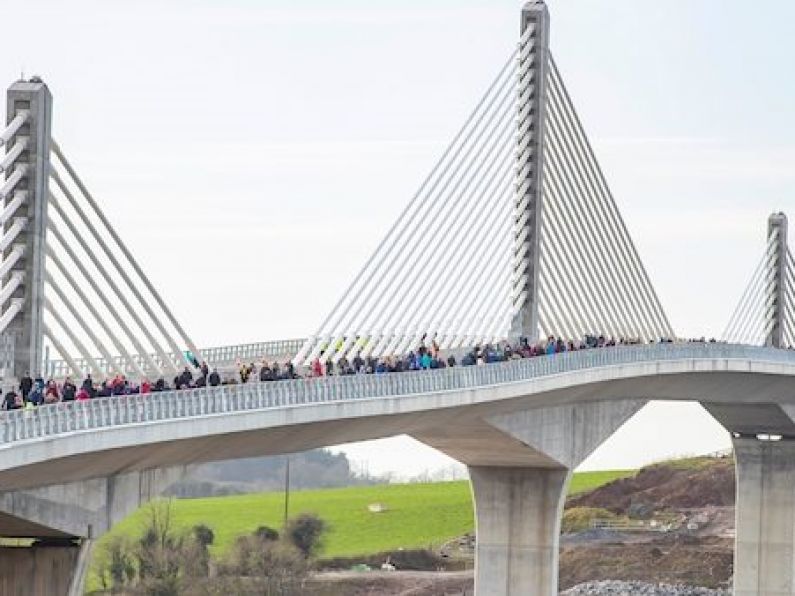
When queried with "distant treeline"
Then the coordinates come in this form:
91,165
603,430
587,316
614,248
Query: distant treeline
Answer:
318,468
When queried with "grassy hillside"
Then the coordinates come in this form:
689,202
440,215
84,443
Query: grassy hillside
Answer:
418,515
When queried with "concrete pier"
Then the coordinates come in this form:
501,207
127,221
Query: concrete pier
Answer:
517,513
64,520
44,569
764,556
520,464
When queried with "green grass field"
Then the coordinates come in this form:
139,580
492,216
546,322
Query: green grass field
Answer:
417,516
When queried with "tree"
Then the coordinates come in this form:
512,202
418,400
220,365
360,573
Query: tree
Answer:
198,552
266,534
305,532
115,565
161,553
273,567
203,535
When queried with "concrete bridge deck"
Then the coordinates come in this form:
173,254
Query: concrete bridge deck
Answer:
521,427
155,430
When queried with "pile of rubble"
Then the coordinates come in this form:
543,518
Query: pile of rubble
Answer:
633,588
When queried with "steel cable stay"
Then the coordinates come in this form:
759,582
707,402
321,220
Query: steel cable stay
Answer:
753,315
490,303
101,248
572,259
87,302
432,223
76,238
454,277
625,288
372,299
552,293
448,236
595,258
110,365
630,249
738,317
489,215
789,312
405,219
67,329
565,221
789,315
731,327
744,307
585,225
559,226
461,331
619,286
130,260
452,236
482,304
410,302
585,201
563,270
21,118
441,173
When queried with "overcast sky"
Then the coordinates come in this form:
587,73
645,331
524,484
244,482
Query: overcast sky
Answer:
252,154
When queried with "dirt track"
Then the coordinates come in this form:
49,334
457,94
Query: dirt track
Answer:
392,583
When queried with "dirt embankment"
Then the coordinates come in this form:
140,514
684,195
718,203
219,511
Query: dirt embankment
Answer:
675,559
690,484
696,555
699,490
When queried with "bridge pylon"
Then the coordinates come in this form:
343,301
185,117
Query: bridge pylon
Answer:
531,79
765,314
777,299
24,198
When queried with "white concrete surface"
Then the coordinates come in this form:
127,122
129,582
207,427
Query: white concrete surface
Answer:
517,512
764,556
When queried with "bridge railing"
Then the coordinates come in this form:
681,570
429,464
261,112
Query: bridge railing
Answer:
61,418
221,356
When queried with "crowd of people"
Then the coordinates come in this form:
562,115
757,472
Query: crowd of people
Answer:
33,392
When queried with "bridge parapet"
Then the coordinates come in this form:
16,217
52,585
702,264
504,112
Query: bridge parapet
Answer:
103,413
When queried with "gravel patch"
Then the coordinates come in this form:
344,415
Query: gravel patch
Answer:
632,588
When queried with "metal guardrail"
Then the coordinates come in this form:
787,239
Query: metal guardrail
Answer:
61,418
221,356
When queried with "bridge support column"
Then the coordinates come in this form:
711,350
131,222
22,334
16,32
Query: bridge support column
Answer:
69,517
517,512
519,464
764,553
45,569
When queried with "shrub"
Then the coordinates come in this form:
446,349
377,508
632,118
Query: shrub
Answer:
266,534
578,519
305,532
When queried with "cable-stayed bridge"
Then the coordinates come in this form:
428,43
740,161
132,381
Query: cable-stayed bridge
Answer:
524,241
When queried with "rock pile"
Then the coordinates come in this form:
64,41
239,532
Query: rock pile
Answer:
619,588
